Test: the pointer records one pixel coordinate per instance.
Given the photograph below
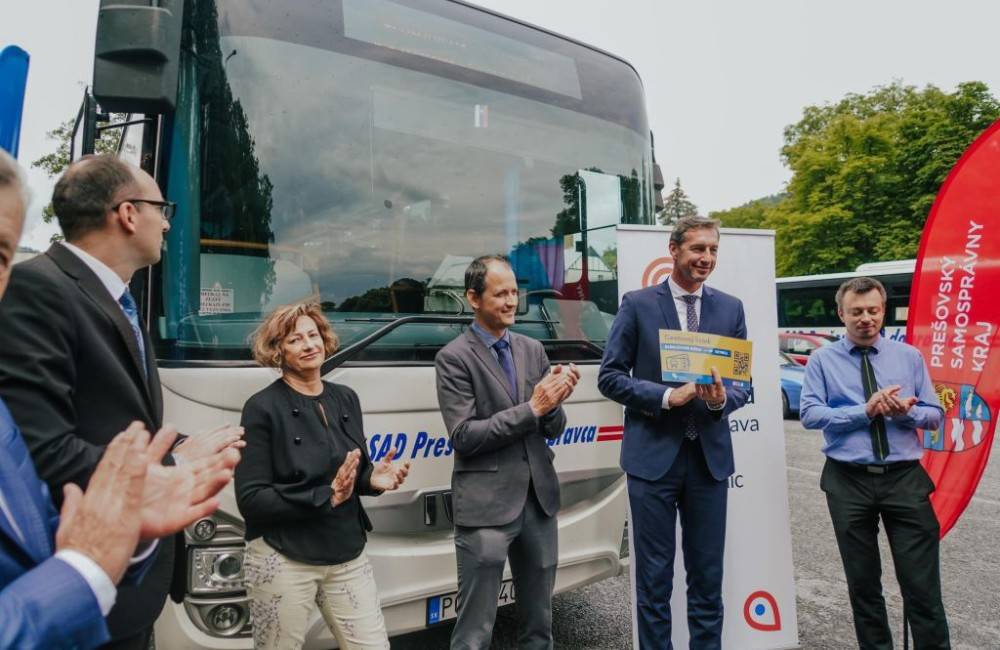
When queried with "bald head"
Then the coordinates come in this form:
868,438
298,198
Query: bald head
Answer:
87,191
13,202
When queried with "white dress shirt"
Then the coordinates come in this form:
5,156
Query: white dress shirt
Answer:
678,294
114,284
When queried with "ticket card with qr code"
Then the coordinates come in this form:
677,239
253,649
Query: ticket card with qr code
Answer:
690,356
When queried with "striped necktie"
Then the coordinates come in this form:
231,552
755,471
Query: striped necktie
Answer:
690,428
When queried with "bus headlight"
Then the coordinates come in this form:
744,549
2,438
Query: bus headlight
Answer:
203,530
216,569
216,602
226,619
221,617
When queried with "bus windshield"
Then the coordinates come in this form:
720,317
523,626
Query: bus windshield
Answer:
361,153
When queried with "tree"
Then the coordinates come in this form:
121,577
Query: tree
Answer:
610,257
865,172
54,163
677,205
749,215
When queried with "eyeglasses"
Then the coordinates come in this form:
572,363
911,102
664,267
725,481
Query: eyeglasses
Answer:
167,208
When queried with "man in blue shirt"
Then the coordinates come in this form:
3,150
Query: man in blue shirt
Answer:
869,395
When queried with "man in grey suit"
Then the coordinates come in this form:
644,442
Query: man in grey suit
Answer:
500,400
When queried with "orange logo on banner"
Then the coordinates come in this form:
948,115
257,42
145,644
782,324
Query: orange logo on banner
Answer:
657,271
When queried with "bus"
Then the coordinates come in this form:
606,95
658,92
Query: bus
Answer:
807,304
359,153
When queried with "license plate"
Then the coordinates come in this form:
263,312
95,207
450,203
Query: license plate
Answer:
442,608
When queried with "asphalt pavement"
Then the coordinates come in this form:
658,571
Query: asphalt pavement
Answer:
597,617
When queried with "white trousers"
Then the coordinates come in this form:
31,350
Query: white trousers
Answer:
283,594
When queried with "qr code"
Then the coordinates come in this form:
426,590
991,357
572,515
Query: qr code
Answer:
741,363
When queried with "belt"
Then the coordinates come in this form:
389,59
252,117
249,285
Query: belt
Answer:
877,469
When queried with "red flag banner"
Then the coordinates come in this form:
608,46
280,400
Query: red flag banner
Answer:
954,315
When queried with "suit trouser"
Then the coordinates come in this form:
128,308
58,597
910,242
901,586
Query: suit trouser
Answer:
531,542
138,641
857,498
690,489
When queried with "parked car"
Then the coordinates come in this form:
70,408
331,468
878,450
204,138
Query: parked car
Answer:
791,384
799,346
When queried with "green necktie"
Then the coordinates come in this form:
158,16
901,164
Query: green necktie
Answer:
880,441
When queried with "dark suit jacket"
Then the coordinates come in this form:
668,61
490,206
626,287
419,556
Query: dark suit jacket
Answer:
70,371
631,375
499,444
283,482
44,602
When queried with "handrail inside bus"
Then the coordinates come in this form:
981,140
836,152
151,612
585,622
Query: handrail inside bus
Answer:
351,351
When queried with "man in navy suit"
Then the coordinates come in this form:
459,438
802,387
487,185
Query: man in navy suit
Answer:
58,574
677,451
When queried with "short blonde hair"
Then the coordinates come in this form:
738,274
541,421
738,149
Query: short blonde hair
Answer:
266,339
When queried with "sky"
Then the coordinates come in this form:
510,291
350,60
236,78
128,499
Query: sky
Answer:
723,78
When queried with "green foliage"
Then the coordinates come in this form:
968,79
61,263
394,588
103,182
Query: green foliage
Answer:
750,215
610,257
54,163
865,172
677,205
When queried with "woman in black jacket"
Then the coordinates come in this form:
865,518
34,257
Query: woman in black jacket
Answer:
298,487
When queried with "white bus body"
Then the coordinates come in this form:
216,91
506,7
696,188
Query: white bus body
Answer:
806,303
359,153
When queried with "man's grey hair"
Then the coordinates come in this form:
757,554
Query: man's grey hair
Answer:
859,286
684,224
11,175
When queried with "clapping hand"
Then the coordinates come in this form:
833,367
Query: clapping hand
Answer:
177,496
566,379
343,482
385,476
104,522
887,402
209,443
553,389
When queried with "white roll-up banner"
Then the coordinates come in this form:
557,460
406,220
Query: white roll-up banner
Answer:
759,584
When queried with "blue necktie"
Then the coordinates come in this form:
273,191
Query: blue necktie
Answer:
502,348
690,428
132,313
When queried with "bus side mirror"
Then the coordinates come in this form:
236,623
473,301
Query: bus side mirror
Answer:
137,55
658,187
657,177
